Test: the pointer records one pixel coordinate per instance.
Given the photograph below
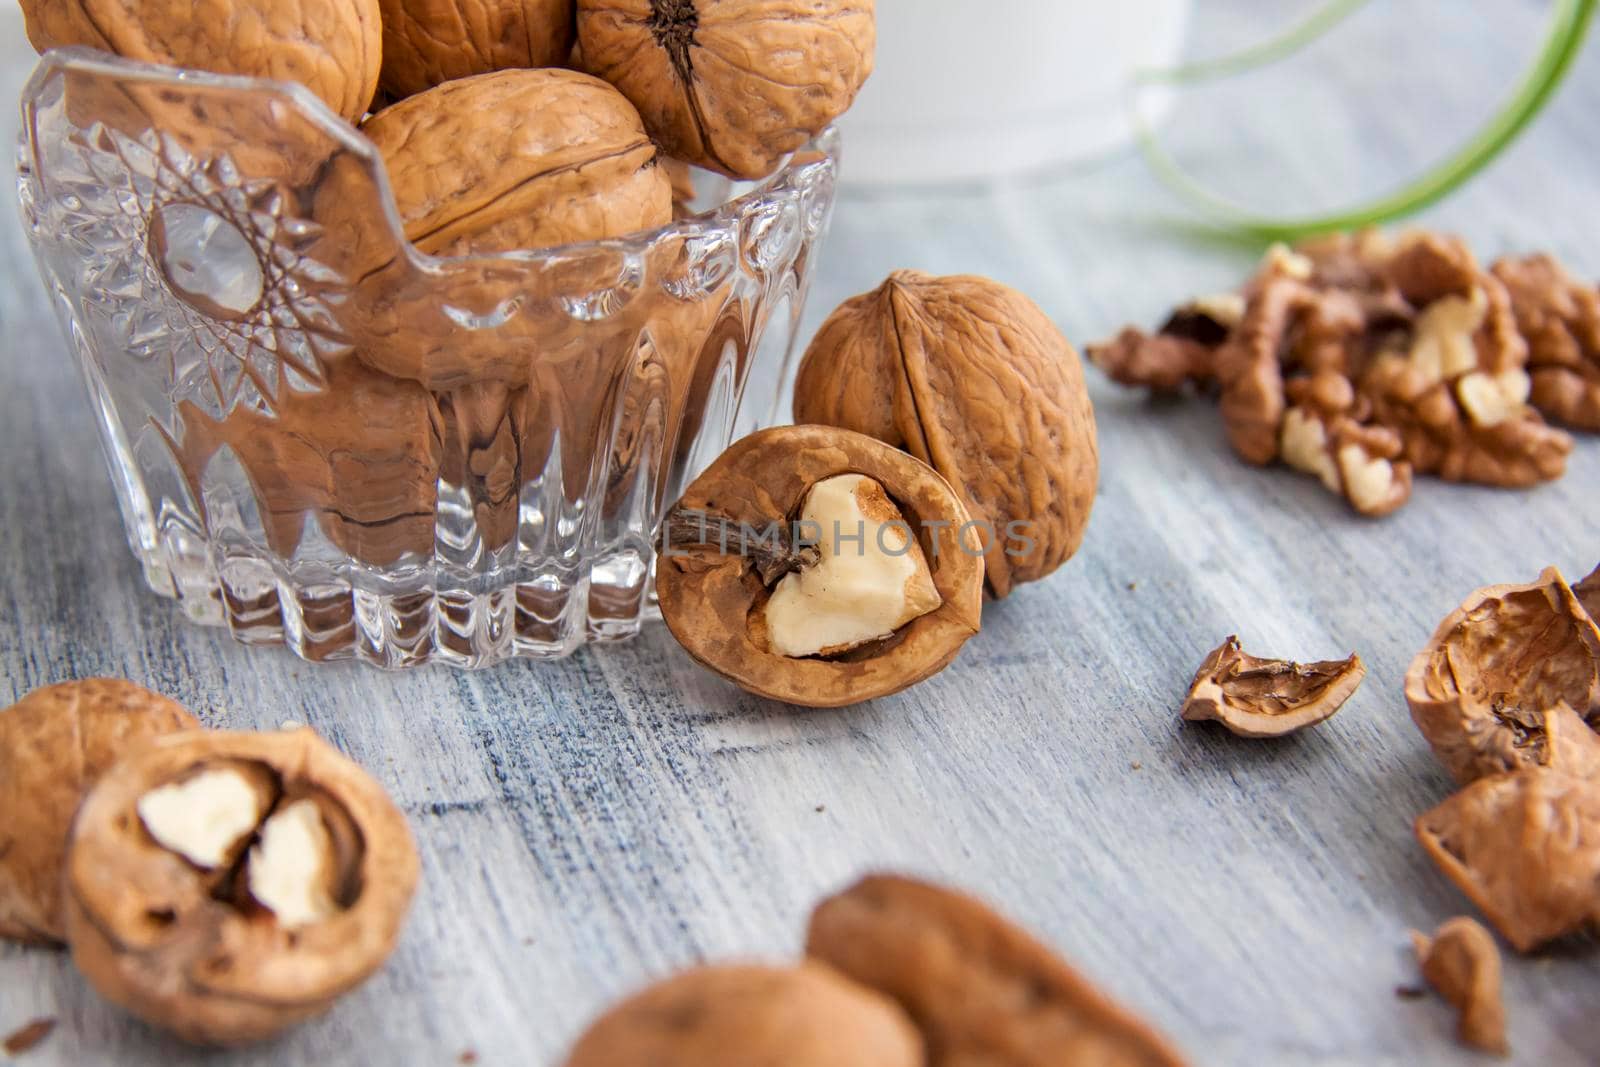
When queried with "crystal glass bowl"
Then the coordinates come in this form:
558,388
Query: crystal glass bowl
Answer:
322,437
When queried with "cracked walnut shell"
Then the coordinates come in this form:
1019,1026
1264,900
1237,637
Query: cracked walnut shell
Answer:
803,1016
981,990
1525,848
731,85
229,940
426,42
1495,667
334,49
972,378
519,159
54,744
732,547
1256,697
1461,961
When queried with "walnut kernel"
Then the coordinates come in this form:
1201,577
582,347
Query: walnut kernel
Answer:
871,579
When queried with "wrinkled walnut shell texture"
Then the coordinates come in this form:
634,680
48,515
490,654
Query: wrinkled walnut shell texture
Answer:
334,49
972,378
1256,697
805,1016
363,455
731,85
54,744
708,599
1480,689
426,42
1461,961
980,990
519,159
1525,848
148,932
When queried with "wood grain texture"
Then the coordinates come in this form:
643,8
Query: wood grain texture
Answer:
589,824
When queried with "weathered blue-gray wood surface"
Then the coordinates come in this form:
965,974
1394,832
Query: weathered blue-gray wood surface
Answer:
589,824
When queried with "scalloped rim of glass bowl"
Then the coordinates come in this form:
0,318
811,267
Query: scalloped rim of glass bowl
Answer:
312,108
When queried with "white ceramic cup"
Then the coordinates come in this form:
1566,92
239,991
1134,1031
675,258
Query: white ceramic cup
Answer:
971,89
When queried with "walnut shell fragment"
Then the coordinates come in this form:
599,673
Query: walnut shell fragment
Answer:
803,1016
1480,690
426,43
1462,962
972,378
1525,848
1256,697
715,601
731,85
981,990
305,904
54,744
519,159
335,50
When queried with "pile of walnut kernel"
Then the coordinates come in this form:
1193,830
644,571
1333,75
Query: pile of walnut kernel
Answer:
1364,360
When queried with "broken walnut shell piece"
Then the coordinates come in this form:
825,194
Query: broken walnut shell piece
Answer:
1525,848
54,744
519,159
1256,697
191,948
975,380
803,1016
715,601
979,988
1480,691
733,87
1462,962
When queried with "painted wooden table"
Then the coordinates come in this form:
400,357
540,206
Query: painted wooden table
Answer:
589,824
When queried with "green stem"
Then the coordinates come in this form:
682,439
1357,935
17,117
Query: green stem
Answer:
1569,25
1283,46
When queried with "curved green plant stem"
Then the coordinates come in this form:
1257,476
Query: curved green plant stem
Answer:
1283,46
1569,26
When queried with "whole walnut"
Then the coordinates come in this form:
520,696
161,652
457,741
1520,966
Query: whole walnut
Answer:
731,85
334,49
426,42
972,378
804,1016
982,990
54,744
520,159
